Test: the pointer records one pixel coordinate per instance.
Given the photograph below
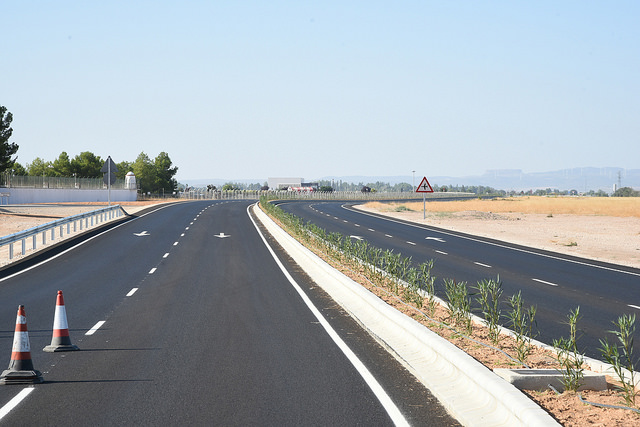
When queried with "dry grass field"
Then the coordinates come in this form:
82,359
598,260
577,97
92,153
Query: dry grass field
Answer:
604,206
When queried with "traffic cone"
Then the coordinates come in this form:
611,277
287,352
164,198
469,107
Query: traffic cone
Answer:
60,340
20,369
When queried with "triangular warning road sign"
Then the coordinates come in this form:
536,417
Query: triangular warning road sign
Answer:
424,186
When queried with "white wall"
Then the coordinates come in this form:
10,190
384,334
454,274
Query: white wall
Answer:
20,196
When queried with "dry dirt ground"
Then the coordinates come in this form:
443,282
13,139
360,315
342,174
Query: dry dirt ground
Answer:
608,238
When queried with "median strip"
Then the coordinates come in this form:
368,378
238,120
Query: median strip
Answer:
472,393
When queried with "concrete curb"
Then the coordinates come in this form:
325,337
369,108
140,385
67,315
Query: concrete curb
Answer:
473,394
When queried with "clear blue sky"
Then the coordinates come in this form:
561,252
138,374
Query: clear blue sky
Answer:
252,89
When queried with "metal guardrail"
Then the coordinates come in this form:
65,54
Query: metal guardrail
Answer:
79,222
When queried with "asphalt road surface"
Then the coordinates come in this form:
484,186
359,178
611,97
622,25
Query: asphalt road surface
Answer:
554,283
184,317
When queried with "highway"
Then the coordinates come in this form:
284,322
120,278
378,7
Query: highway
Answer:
554,283
183,315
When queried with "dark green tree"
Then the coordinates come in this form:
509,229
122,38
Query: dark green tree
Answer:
626,192
87,165
144,170
165,171
62,165
124,168
7,149
39,167
18,170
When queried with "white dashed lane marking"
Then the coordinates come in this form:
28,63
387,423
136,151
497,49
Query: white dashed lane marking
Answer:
95,328
545,282
482,265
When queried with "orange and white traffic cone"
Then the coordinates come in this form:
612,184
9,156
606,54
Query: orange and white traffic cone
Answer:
60,341
20,369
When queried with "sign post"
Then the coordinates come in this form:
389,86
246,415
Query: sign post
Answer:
424,188
109,170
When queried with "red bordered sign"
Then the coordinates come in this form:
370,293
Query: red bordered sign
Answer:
424,186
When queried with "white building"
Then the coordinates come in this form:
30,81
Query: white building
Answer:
284,183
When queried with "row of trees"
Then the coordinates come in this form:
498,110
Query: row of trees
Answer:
152,175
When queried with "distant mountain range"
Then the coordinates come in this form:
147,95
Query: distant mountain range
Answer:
580,179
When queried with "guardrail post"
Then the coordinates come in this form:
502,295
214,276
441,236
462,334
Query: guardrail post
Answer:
24,246
10,250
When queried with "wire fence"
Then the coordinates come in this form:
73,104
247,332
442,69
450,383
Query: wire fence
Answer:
317,195
58,182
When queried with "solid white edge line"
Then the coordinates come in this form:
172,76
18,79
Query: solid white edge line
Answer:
132,291
393,411
95,327
15,401
545,282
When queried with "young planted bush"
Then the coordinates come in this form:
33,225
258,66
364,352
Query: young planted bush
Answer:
411,292
568,356
522,322
621,357
427,284
489,294
458,303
